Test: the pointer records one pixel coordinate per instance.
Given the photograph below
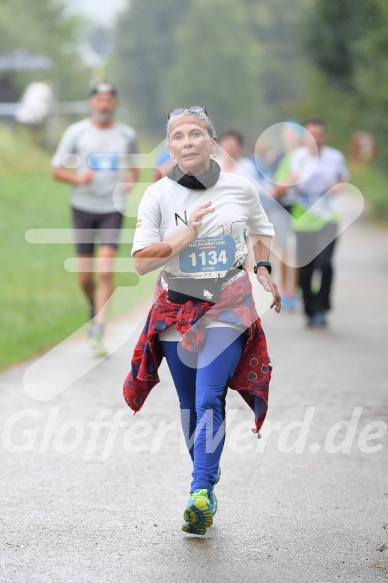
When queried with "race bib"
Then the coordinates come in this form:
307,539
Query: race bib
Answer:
208,254
104,161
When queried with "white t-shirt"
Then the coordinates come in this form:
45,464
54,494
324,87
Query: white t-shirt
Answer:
247,167
166,206
316,174
108,151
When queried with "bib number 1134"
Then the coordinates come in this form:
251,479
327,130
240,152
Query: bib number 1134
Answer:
208,254
208,258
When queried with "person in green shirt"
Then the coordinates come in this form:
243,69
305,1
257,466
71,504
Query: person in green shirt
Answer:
316,170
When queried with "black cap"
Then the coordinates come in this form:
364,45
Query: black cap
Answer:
103,87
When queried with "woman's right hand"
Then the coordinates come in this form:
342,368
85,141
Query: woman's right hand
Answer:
195,219
155,255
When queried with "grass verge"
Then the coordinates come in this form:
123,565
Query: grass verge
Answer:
41,302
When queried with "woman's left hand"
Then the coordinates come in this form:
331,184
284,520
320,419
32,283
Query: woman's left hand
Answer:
270,286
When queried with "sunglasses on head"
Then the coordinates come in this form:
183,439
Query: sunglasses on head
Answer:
191,109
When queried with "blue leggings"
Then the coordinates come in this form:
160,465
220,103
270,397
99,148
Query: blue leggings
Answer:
202,383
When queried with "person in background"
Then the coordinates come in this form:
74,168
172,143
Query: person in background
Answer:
265,161
231,159
203,319
162,165
35,104
316,169
97,156
280,214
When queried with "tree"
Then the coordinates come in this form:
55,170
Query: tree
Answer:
276,26
43,27
333,32
371,76
347,42
144,52
215,65
243,58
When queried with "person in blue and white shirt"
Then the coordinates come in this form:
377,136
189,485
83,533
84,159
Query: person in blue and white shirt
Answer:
317,171
97,156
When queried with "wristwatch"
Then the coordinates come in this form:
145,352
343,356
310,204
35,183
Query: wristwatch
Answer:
263,264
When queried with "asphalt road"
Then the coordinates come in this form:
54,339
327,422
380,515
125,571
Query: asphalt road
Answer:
88,502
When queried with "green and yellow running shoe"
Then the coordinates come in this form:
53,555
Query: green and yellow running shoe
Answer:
199,512
213,502
97,346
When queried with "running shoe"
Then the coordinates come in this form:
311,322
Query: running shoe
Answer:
320,319
317,320
194,528
289,303
199,512
213,502
97,346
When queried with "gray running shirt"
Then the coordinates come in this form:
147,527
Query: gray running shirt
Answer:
110,152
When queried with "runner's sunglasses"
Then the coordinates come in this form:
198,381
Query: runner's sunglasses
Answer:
192,109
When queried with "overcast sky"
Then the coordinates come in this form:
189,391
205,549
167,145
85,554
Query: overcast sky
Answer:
98,10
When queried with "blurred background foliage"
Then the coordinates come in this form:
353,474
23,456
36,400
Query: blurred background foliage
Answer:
44,27
252,63
257,62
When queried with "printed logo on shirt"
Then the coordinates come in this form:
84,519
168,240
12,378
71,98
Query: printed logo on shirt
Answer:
226,229
185,221
138,223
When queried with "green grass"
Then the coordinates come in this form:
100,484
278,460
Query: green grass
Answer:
41,303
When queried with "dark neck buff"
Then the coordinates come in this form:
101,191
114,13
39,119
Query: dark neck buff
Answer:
202,182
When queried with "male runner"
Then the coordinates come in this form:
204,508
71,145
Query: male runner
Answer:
97,156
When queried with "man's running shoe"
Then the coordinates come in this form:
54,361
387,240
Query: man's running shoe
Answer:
317,320
289,303
198,514
97,346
